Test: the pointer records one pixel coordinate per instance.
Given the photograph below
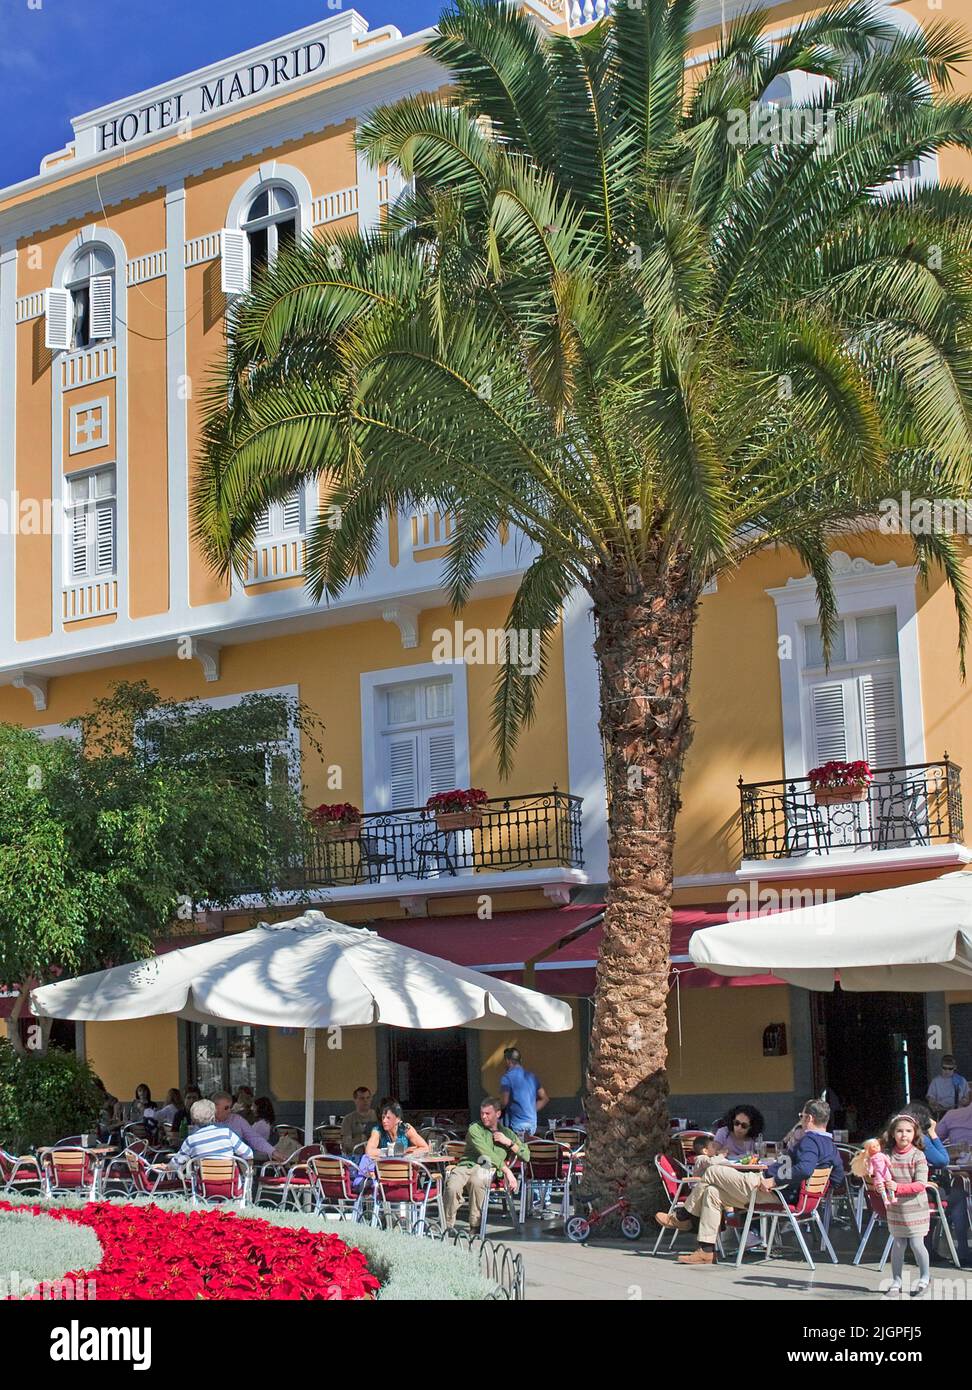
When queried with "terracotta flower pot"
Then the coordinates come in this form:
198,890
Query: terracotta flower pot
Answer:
836,796
336,831
458,820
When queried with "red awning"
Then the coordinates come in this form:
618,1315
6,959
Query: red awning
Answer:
503,945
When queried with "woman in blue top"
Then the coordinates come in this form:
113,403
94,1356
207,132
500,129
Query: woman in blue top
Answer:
393,1136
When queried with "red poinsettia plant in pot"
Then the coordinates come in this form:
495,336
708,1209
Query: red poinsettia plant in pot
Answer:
459,809
839,781
341,821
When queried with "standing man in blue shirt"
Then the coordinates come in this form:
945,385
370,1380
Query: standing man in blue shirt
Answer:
522,1094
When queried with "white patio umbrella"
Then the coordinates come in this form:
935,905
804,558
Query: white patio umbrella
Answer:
914,938
306,973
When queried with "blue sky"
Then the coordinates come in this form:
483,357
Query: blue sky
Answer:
59,58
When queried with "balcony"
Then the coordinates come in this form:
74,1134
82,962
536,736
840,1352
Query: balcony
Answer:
911,812
540,831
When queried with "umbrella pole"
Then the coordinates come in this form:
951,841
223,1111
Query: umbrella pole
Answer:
310,1060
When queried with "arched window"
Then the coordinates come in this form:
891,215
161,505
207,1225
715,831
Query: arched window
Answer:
90,283
270,224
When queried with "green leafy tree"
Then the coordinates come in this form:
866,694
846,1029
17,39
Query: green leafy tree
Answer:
605,318
44,1098
156,809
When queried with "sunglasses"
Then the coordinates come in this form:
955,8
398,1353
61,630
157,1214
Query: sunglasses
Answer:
948,1068
740,1124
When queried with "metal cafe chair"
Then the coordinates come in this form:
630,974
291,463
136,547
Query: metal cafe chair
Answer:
218,1181
375,855
805,828
803,1212
410,1184
73,1170
20,1173
547,1173
676,1188
512,1203
332,1190
938,1207
329,1137
278,1184
903,814
146,1183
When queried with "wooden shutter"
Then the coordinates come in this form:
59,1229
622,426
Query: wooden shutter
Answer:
881,717
827,721
402,771
58,319
441,761
234,253
100,292
105,537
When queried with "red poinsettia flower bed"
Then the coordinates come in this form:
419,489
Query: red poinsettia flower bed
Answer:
151,1253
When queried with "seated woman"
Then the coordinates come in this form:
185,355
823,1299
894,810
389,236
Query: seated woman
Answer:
173,1111
265,1117
243,1104
393,1136
738,1131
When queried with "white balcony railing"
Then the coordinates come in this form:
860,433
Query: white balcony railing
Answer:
89,598
88,364
279,559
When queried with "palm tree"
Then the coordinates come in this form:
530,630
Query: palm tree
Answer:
601,317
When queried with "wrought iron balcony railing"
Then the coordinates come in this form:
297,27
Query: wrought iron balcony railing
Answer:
915,804
516,832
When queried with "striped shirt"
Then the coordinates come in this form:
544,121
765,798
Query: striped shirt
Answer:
210,1141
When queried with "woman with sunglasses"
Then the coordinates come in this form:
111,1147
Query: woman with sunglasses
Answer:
739,1130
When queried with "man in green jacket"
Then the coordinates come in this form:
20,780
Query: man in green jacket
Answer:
490,1149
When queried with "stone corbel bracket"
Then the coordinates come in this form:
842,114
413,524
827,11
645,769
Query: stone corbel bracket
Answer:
36,684
207,654
405,616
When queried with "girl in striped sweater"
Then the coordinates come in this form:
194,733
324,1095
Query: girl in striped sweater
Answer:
908,1216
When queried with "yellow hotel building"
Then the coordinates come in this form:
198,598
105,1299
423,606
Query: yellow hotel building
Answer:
117,264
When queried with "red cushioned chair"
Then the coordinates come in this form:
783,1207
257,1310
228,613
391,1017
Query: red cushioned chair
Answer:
147,1183
218,1181
676,1190
939,1212
548,1169
21,1173
406,1182
499,1191
329,1138
331,1177
279,1184
803,1212
72,1170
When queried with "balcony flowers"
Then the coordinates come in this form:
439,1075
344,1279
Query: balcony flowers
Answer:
839,781
340,821
151,1253
459,809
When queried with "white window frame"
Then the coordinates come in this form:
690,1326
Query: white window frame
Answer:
376,791
276,530
73,282
271,220
290,745
90,575
861,587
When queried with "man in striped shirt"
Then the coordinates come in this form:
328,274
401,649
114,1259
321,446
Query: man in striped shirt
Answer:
208,1139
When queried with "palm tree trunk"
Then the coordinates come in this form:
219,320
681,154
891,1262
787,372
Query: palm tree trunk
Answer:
644,648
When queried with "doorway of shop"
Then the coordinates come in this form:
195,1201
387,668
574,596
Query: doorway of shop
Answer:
427,1070
871,1050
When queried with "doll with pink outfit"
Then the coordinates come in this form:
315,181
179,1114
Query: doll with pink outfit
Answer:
877,1166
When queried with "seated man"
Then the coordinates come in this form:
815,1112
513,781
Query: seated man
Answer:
225,1115
357,1125
727,1185
490,1148
208,1139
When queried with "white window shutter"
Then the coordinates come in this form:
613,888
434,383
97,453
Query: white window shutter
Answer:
881,718
402,763
58,319
262,527
827,721
293,511
442,761
105,537
234,251
79,541
101,295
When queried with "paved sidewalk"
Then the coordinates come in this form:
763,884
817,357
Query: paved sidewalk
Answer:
626,1270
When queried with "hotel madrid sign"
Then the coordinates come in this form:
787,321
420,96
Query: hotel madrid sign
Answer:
176,108
242,80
